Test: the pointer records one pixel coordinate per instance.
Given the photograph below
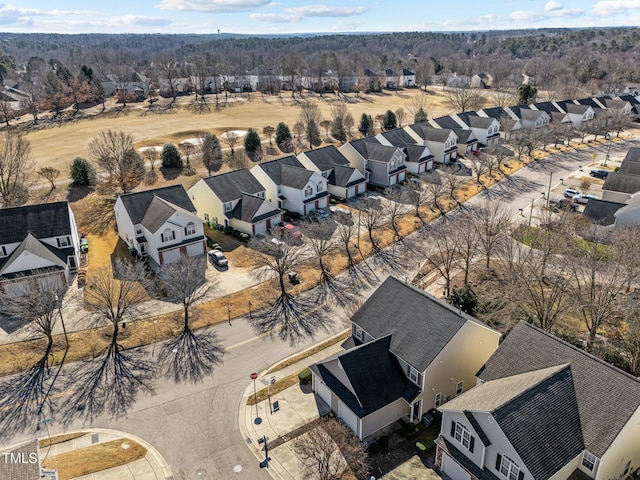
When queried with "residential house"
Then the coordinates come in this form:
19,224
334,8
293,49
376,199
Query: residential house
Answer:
529,119
619,187
509,127
343,180
627,215
408,78
466,141
556,115
235,199
618,106
418,158
580,115
291,186
38,241
542,409
440,141
601,212
481,80
160,224
485,129
382,165
392,79
408,353
634,101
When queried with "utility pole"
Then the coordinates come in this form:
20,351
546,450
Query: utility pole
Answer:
265,462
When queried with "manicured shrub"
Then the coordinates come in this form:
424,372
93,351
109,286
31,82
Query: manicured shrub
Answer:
82,172
171,156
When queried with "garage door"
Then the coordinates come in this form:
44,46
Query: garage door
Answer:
348,417
195,249
260,227
323,391
169,256
453,470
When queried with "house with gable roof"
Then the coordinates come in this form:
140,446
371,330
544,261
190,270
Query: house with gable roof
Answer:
292,187
440,141
531,119
408,353
485,129
509,127
579,115
235,199
542,409
467,142
343,180
38,241
160,224
418,158
382,165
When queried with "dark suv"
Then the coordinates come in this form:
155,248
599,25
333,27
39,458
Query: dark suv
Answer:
599,173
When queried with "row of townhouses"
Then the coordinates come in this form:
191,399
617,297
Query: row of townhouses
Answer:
531,407
164,223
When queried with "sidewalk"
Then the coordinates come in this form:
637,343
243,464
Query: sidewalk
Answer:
298,406
152,467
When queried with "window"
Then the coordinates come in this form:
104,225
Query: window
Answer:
206,217
507,467
459,388
325,174
3,251
228,206
63,242
319,188
190,229
462,435
167,235
138,230
438,399
308,191
413,374
589,460
357,332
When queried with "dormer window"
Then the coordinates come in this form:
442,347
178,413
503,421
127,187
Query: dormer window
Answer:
308,191
319,188
138,230
63,242
228,207
167,235
589,460
190,229
325,174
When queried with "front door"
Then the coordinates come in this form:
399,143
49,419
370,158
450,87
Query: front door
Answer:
415,412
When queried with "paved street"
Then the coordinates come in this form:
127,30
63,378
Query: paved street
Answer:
196,426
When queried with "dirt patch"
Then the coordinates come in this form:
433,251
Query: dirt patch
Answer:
60,439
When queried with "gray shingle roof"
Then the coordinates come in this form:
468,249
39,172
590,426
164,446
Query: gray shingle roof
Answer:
137,203
42,221
572,108
496,112
632,156
21,470
472,119
590,102
231,185
371,149
273,168
548,107
622,182
465,136
246,209
398,137
415,153
524,112
157,214
427,132
294,177
326,158
420,324
340,176
596,383
601,211
446,122
374,374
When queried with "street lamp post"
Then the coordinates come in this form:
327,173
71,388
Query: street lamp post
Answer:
229,313
531,211
265,463
549,189
606,158
250,305
155,338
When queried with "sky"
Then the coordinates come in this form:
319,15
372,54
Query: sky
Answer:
296,16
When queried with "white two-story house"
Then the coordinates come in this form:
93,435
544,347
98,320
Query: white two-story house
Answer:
418,157
235,199
38,241
529,119
292,187
442,142
382,165
160,224
408,353
542,410
343,180
485,129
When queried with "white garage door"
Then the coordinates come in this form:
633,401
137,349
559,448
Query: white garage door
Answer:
348,417
169,256
392,180
323,392
260,227
195,249
453,470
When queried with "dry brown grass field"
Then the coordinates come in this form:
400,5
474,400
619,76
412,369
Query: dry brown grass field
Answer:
59,144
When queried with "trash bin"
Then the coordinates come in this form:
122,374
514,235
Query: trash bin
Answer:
294,279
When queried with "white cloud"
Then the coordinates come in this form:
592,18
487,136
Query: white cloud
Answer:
213,6
326,11
138,20
552,5
346,26
274,17
606,8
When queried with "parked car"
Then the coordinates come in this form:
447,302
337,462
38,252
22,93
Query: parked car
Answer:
584,198
599,173
570,193
563,204
317,215
218,258
290,233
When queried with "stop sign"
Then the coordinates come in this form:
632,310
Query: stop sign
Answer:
254,376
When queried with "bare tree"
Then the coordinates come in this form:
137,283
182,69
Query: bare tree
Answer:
231,138
626,340
330,451
435,190
419,195
451,183
479,168
502,98
374,218
7,111
628,258
115,154
151,156
419,108
467,241
211,153
292,65
492,221
15,167
463,98
50,174
269,131
320,238
400,116
394,209
443,254
310,119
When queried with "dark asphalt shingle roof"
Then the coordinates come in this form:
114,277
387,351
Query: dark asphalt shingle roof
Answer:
231,185
42,221
294,177
430,133
622,182
446,122
157,214
495,112
548,107
138,203
374,374
371,149
341,174
601,211
421,325
247,207
632,156
398,137
273,168
596,383
326,158
465,136
590,102
415,153
472,119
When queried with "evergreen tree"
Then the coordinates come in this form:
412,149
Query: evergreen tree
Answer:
211,153
366,125
283,137
171,156
82,172
251,141
420,116
390,120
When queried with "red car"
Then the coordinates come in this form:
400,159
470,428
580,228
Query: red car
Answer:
290,231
